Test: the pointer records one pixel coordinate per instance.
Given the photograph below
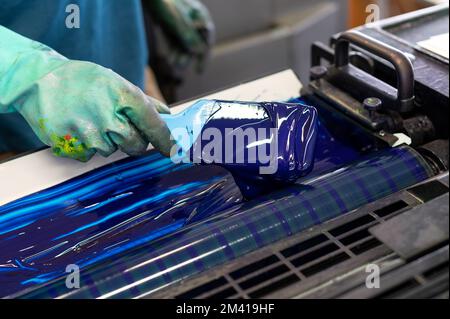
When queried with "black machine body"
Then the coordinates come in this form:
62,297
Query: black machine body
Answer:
381,79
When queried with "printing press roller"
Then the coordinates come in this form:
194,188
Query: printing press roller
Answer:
245,227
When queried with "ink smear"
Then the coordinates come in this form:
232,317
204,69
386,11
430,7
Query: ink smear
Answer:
123,206
264,145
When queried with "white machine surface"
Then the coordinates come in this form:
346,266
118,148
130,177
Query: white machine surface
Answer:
438,44
37,171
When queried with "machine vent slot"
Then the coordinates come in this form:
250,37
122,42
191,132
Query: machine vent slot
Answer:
327,263
303,246
364,220
314,255
223,294
429,191
357,236
365,246
398,290
323,251
207,287
294,263
264,277
391,209
437,271
254,267
280,284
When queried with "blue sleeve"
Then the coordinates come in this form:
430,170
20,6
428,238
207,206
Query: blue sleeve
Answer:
111,33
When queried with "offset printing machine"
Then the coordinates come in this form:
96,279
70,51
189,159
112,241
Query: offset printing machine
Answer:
385,79
376,199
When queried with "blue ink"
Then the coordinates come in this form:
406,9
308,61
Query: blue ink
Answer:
264,145
243,228
103,213
136,201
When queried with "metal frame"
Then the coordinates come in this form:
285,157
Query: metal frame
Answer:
233,280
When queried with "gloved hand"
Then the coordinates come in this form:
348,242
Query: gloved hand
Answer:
77,108
189,26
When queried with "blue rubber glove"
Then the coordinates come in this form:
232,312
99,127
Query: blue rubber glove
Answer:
77,108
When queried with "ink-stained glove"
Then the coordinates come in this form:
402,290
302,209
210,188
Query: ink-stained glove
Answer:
189,27
77,108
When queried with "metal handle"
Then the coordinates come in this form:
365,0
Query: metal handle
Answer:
403,66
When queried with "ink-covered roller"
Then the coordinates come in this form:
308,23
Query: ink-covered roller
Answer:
262,144
236,231
133,212
360,178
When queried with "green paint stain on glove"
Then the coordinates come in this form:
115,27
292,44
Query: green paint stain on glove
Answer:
69,146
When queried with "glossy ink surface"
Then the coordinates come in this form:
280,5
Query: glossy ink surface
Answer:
103,213
246,227
259,143
114,209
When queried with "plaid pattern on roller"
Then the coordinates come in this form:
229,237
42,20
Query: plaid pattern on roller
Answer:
253,225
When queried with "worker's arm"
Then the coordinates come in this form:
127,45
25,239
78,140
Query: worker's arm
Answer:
78,108
189,26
